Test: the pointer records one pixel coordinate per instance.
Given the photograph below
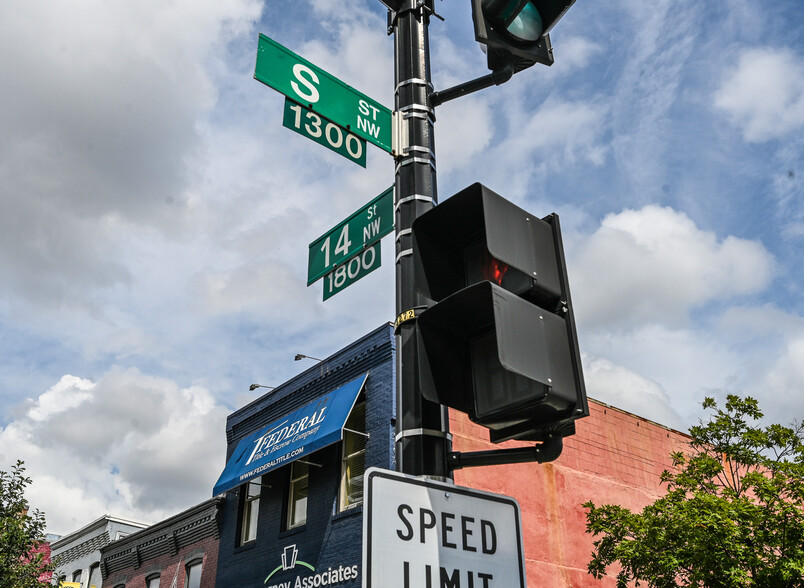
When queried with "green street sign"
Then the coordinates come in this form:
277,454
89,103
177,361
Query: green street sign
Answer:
351,271
313,126
362,229
307,84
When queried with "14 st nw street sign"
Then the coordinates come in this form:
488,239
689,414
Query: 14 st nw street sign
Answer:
362,229
307,84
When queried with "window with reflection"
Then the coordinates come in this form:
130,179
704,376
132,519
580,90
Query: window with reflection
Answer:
353,461
250,510
192,576
297,494
95,579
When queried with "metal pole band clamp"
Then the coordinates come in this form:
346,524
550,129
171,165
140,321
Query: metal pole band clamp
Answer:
419,432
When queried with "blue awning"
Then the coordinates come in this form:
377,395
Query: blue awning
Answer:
308,429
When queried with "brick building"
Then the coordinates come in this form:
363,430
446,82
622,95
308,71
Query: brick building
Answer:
302,517
181,549
614,458
293,481
77,555
294,513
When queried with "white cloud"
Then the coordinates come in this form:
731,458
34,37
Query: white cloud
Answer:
764,94
358,56
655,265
129,445
783,383
96,125
68,393
576,52
562,131
688,364
741,323
256,287
620,387
464,130
648,88
637,282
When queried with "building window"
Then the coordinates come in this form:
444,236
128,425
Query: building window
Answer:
250,509
192,576
152,581
77,576
297,496
95,579
353,463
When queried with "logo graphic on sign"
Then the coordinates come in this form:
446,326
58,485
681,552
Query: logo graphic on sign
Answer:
289,561
331,576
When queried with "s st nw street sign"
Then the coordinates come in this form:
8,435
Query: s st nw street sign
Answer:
422,533
307,84
362,229
314,126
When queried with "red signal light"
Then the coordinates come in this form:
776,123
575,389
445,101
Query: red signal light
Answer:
494,270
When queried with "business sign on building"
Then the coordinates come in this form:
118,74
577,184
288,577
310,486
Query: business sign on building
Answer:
293,572
297,434
422,533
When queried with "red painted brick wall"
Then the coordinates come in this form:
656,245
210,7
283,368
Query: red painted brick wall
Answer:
135,578
614,457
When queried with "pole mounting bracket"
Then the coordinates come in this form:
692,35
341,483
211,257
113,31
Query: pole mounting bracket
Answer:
541,453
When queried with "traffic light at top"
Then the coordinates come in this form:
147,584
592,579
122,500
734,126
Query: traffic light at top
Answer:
515,32
499,341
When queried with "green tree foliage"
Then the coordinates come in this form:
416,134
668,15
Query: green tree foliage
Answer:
21,534
733,515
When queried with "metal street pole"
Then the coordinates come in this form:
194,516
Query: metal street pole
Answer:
422,427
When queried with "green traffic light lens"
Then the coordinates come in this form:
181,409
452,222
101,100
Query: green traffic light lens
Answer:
527,25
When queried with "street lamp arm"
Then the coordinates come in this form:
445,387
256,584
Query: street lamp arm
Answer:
495,78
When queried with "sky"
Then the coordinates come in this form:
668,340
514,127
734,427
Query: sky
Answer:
155,217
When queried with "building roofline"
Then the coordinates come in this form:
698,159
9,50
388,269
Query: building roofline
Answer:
297,380
640,417
96,524
164,524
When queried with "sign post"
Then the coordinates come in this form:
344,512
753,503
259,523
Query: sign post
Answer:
423,440
419,532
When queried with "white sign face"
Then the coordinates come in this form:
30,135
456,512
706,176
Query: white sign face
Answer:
425,534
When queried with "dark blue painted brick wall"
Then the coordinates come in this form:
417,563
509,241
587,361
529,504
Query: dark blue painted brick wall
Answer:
330,541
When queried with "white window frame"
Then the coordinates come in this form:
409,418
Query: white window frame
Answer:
298,506
251,510
95,566
353,430
199,563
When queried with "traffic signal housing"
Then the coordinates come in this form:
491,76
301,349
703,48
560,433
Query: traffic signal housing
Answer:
498,341
515,32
